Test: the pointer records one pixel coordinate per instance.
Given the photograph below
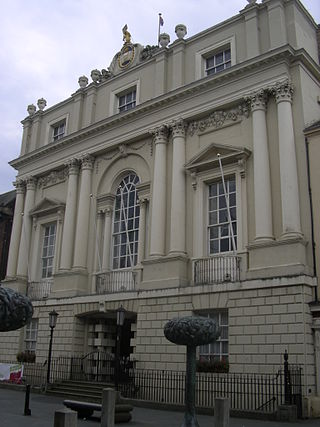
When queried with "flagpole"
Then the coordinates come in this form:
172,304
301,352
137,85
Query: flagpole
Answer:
159,28
228,205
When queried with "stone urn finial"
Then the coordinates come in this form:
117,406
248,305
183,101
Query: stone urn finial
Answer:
164,39
83,81
191,331
31,109
181,31
42,103
96,76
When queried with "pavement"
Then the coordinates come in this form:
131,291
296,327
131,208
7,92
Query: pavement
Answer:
43,407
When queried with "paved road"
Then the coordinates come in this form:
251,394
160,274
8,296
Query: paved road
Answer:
43,408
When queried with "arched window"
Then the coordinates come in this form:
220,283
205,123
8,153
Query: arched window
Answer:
125,234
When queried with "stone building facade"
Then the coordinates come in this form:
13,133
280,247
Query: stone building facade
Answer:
175,183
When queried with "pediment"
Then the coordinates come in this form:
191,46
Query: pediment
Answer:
208,157
47,206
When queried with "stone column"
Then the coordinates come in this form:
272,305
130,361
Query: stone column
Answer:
158,210
316,327
178,190
70,215
16,230
24,249
261,168
142,230
82,228
291,226
107,241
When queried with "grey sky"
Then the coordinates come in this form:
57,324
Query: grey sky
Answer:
46,45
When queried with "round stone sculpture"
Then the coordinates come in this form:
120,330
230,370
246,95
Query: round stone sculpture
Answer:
15,310
191,331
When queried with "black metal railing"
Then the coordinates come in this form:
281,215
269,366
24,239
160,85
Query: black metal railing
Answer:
247,392
216,269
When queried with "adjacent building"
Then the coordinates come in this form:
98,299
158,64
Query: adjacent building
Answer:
176,183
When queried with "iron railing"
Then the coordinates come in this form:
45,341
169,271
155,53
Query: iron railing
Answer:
216,269
39,290
116,281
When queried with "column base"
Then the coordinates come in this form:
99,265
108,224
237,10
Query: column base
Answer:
263,239
291,235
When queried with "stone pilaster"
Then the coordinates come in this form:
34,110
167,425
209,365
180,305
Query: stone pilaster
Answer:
24,249
82,228
178,189
158,210
291,225
261,168
98,241
277,23
142,229
107,241
70,215
16,230
25,146
35,131
76,118
250,13
90,106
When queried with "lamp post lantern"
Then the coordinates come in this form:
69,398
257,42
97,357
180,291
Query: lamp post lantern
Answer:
121,313
53,316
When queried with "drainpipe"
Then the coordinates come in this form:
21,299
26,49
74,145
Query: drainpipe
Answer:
312,219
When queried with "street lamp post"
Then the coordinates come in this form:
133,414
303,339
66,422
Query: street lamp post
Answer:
121,312
53,316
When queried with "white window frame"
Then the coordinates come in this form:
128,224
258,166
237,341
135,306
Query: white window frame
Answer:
221,199
30,339
203,54
122,90
211,352
119,233
47,247
200,245
53,124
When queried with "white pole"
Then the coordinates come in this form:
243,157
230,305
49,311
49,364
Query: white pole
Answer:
228,205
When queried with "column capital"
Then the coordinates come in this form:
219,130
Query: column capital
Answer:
31,182
73,166
20,186
178,127
282,91
108,211
257,100
143,201
87,161
160,134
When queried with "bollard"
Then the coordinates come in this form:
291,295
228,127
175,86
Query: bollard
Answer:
108,407
27,410
221,412
65,418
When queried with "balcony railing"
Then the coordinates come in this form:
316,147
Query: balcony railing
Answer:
116,281
39,290
216,269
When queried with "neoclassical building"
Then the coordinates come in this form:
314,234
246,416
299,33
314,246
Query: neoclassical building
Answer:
175,183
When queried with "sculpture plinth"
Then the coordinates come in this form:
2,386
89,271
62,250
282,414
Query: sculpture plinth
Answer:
191,331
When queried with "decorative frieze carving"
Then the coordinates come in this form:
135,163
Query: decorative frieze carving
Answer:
219,118
54,177
282,91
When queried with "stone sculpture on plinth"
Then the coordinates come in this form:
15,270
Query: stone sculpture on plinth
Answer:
191,331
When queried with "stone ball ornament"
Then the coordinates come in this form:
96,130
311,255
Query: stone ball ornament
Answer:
15,310
191,330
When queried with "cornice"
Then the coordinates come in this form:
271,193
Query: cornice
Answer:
285,53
